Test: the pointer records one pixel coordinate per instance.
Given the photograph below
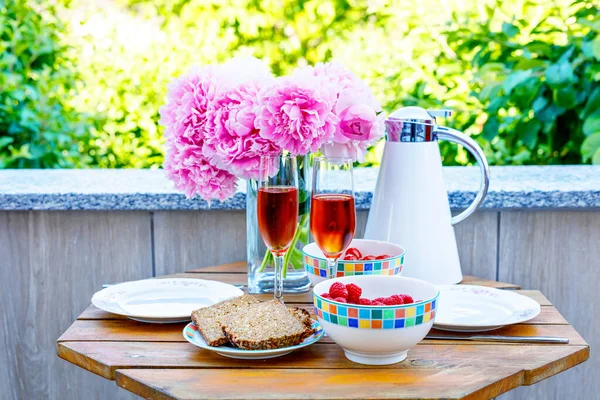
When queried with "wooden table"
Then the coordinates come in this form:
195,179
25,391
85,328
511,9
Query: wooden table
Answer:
154,361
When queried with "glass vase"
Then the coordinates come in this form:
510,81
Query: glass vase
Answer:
260,260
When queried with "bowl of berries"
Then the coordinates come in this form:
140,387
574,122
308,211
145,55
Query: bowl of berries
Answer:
376,319
363,257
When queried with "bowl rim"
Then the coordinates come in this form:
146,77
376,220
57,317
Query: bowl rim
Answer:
357,261
393,307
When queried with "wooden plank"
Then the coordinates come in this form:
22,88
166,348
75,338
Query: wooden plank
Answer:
129,330
473,280
428,373
52,263
477,241
238,267
558,252
104,358
198,238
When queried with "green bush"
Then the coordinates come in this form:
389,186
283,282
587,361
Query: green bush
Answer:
522,75
38,127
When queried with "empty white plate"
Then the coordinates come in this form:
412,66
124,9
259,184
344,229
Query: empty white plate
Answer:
468,308
163,300
191,334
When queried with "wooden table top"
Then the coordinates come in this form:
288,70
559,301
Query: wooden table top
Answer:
155,361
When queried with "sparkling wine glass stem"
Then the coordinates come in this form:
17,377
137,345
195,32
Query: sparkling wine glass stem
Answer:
332,267
278,287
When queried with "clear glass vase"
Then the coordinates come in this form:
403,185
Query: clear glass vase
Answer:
260,261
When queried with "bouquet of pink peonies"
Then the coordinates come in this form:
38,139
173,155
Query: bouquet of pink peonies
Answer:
220,119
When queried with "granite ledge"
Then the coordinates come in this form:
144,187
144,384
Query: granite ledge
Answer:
532,187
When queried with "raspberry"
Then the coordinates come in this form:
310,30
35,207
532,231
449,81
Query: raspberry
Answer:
377,303
338,289
379,300
326,296
340,299
393,300
365,302
407,299
354,292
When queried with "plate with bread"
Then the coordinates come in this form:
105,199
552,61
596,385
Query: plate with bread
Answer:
162,301
247,328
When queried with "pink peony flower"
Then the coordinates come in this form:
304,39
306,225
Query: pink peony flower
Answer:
188,99
297,112
357,109
185,118
192,174
233,142
354,149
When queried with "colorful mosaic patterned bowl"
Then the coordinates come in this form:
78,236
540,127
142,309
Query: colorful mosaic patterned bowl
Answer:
377,335
316,264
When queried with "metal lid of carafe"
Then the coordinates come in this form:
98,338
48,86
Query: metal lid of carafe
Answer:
413,124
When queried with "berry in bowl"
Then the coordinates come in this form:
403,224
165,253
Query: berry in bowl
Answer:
363,257
376,319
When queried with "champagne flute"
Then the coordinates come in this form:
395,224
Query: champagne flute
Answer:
278,209
332,213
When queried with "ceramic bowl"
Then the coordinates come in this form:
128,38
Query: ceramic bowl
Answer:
316,264
377,335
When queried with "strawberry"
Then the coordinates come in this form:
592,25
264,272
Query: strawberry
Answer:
338,289
368,258
354,292
340,299
382,257
364,302
326,296
406,299
350,257
394,300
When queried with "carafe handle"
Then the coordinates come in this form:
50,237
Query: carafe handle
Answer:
452,135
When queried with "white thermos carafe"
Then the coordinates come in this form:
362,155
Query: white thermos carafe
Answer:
410,204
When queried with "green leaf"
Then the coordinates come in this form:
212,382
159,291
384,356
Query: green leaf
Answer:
539,104
558,75
564,97
596,48
596,158
509,29
490,129
593,103
5,141
528,132
592,124
524,94
590,146
515,79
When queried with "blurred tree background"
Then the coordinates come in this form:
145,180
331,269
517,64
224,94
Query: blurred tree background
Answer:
82,81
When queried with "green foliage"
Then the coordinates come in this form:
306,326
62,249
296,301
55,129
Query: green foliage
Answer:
522,75
38,129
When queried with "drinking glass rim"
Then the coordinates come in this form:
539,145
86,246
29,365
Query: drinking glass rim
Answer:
280,155
325,158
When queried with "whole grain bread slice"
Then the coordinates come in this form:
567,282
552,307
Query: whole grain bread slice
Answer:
209,319
268,325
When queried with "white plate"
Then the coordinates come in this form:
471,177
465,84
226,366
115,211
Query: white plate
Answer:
191,334
163,300
468,308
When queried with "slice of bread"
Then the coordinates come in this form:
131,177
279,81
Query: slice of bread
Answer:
268,325
209,319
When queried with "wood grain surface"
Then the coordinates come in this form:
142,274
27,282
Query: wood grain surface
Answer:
155,361
558,253
53,262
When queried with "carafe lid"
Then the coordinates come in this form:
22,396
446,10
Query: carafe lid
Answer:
413,124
